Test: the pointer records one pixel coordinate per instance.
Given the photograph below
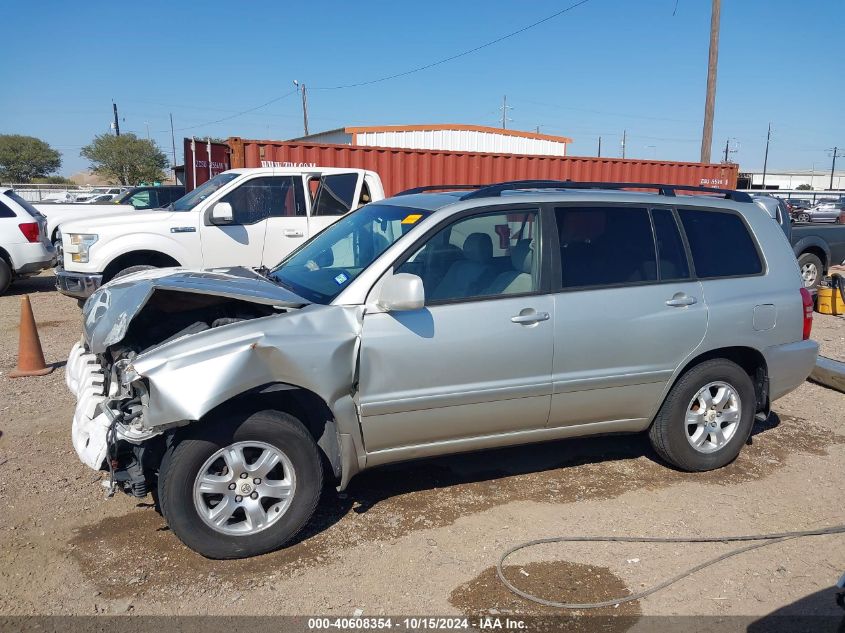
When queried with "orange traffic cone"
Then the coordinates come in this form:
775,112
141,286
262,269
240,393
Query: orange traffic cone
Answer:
30,356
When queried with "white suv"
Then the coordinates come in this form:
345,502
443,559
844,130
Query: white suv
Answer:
24,247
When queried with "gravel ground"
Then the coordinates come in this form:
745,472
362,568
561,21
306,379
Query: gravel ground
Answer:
422,538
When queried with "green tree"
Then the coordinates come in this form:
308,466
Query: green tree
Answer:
126,159
23,158
804,187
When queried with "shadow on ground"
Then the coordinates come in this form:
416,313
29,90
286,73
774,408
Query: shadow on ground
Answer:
32,285
135,553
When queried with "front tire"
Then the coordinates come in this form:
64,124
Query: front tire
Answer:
706,418
130,270
239,486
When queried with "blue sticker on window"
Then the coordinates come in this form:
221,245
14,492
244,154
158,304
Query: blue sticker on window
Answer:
341,279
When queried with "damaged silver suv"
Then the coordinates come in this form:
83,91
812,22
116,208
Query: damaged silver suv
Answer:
434,323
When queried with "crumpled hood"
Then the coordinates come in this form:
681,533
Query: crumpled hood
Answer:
109,311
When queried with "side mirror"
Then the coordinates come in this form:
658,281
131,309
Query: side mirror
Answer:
221,213
400,292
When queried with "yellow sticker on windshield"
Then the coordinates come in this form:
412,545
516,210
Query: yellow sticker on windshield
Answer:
412,219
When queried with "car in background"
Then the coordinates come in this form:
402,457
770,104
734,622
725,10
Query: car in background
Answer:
100,199
798,203
152,197
816,248
824,211
87,196
24,247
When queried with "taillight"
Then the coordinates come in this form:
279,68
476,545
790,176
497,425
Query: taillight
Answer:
29,230
807,301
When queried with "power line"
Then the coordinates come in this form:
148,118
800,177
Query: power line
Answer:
232,116
457,55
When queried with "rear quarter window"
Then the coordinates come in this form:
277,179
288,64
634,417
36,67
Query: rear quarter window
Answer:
720,244
5,211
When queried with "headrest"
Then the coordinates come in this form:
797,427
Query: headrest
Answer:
478,247
522,256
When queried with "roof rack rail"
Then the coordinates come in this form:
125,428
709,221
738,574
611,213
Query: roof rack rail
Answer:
663,189
408,192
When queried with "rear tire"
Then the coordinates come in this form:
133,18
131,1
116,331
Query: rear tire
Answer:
5,276
811,268
213,456
695,437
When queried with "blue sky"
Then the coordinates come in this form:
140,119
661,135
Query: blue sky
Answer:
604,67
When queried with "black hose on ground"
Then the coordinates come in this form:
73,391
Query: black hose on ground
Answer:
839,282
767,539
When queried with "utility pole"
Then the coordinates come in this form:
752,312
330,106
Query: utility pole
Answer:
599,154
835,154
505,108
301,89
727,149
304,110
173,141
116,124
766,156
710,98
624,139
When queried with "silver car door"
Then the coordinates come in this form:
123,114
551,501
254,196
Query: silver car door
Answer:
477,359
627,315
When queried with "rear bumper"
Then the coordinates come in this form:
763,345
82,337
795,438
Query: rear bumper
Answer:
789,365
32,258
79,285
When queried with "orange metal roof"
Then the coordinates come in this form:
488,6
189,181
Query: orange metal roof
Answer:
447,126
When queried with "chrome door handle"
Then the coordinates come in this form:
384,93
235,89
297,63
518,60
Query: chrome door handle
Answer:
292,233
533,317
680,300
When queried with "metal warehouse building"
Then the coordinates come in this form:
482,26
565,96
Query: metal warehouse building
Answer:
445,137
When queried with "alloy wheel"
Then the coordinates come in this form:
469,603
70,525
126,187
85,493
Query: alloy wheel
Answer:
244,488
712,417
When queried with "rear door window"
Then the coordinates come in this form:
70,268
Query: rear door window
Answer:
720,244
671,255
605,246
335,194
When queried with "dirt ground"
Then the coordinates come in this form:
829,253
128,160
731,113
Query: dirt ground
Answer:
423,538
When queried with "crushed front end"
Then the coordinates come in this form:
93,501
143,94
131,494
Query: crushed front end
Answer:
114,428
108,429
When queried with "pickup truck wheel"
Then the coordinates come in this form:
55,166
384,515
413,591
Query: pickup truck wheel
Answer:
5,275
706,418
235,487
811,269
131,269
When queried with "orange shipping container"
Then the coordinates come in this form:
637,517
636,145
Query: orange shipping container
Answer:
402,169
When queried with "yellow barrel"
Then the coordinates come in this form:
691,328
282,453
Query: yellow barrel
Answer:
829,301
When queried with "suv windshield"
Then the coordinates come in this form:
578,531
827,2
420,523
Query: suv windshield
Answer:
189,201
322,267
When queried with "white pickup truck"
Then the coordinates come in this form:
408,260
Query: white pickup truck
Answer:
242,217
